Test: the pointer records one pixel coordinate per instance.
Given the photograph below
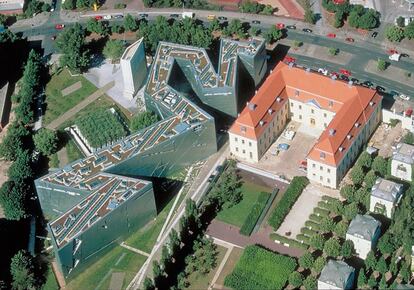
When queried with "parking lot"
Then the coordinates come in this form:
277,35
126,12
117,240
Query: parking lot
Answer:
286,162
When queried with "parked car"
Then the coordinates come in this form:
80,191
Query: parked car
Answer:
118,16
345,72
174,15
404,97
334,74
394,93
291,27
59,26
344,78
98,17
392,51
222,18
255,21
380,89
53,37
283,146
323,71
374,34
355,81
143,15
211,178
331,35
280,26
409,112
107,17
349,39
289,59
307,30
367,84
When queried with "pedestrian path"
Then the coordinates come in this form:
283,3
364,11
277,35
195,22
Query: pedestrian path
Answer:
220,268
134,249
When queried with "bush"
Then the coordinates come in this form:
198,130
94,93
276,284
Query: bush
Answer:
394,33
295,279
254,215
379,165
317,241
308,232
394,122
310,283
306,261
321,211
260,269
319,264
312,225
315,218
303,238
333,51
381,64
294,190
357,175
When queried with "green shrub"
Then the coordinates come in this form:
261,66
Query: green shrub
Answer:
254,215
260,269
312,225
303,238
307,231
315,218
321,211
323,204
328,198
294,190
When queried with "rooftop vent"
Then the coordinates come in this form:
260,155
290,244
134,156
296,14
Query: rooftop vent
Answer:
271,71
270,111
341,149
251,106
357,124
278,99
349,136
243,129
332,132
261,122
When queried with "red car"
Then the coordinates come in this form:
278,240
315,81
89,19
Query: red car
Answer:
349,39
59,26
280,26
409,112
345,72
289,59
392,51
334,74
98,17
331,35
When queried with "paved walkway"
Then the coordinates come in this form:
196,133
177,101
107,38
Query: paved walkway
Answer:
69,114
135,250
229,233
220,268
63,157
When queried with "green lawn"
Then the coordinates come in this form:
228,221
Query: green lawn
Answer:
58,104
51,283
117,260
201,281
237,214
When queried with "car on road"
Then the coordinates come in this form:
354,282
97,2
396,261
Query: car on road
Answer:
349,39
345,72
107,17
344,78
291,27
323,71
143,15
409,112
307,30
222,18
331,35
374,34
53,37
98,17
334,74
404,97
118,16
59,26
367,84
280,25
380,89
289,59
174,15
255,21
355,81
283,146
211,17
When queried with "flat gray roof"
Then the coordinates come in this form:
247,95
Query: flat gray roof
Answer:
363,226
404,153
336,273
386,190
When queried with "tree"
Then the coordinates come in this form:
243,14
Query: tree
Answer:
175,242
22,271
143,120
317,241
370,179
339,19
306,260
327,225
215,25
13,198
158,275
372,282
357,175
204,257
340,229
333,51
130,24
332,248
235,27
336,206
20,169
364,160
254,31
268,10
148,284
13,141
297,44
99,27
381,266
383,283
370,260
309,16
69,5
409,30
362,278
368,20
83,3
347,249
273,34
379,165
351,210
348,192
408,138
310,283
319,264
71,42
182,281
394,33
386,244
113,49
116,28
295,279
381,64
165,258
400,21
405,274
46,141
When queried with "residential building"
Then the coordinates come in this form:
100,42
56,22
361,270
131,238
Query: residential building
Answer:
11,6
336,275
94,202
402,161
385,195
364,232
5,105
346,113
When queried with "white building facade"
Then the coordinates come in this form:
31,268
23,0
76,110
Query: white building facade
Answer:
385,196
364,232
402,162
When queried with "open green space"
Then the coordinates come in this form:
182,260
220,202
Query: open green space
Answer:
51,283
201,281
259,268
57,104
73,151
98,275
237,214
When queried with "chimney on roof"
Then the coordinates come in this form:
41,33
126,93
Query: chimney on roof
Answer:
270,111
261,122
332,132
238,115
271,71
251,106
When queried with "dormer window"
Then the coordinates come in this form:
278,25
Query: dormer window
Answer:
341,149
261,122
322,155
252,106
356,125
332,132
371,103
278,99
349,136
270,111
297,92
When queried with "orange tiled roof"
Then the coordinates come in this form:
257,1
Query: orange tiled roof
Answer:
351,105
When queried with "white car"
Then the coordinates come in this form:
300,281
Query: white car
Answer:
404,97
395,56
323,71
107,17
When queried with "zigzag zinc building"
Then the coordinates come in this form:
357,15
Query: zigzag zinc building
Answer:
95,202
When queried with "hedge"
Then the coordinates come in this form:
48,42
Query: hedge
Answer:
303,238
321,211
323,204
290,242
316,218
254,215
259,268
288,199
308,232
313,225
328,198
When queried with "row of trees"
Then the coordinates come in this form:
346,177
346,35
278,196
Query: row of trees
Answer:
357,15
196,4
256,8
396,33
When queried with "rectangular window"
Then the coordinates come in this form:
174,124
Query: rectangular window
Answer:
235,139
328,180
237,149
300,117
313,165
251,155
244,151
291,104
320,168
300,107
329,170
250,144
242,141
324,114
320,178
313,111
